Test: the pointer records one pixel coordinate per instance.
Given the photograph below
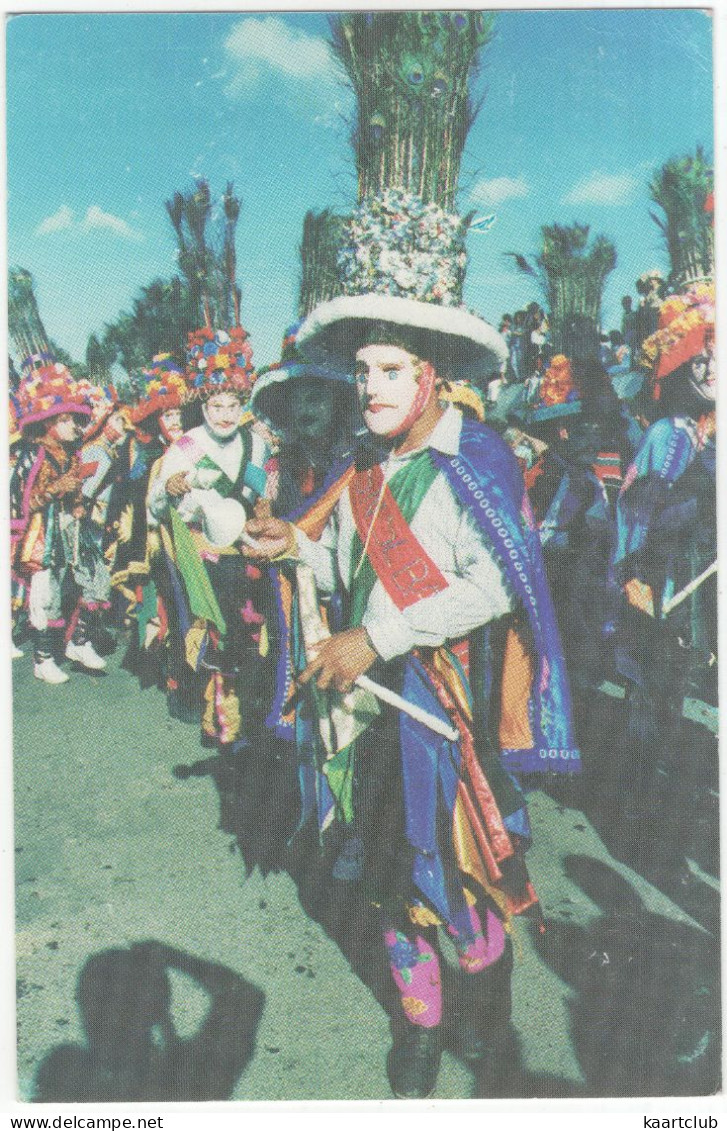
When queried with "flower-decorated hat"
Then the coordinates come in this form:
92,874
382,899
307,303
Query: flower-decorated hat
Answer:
402,269
269,399
50,390
557,385
219,361
686,323
159,387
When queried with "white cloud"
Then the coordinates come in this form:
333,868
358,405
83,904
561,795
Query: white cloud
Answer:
60,220
603,188
497,189
96,218
267,44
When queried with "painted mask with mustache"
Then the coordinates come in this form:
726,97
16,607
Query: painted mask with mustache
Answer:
394,388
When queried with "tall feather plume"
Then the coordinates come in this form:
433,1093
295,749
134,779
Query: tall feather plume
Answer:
571,274
411,73
680,188
322,236
25,325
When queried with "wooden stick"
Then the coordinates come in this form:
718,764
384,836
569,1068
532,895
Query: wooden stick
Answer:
407,708
688,589
384,693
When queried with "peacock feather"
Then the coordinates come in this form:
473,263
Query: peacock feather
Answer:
571,273
206,251
322,237
411,73
25,326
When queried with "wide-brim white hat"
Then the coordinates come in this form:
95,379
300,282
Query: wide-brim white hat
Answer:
333,333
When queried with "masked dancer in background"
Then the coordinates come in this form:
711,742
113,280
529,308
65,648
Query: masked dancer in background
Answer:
208,484
50,527
667,536
312,408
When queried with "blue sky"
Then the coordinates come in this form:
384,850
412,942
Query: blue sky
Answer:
109,114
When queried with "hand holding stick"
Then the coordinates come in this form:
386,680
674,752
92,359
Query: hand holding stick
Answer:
275,528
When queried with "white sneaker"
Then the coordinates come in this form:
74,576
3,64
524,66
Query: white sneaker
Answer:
49,672
15,652
86,655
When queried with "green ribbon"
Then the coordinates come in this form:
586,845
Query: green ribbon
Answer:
201,595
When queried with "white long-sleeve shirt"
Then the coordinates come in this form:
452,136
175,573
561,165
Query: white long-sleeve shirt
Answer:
183,457
476,592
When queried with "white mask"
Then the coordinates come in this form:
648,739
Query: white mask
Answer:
394,388
703,377
222,415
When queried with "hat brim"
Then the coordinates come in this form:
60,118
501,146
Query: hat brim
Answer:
689,346
333,333
56,410
270,385
144,409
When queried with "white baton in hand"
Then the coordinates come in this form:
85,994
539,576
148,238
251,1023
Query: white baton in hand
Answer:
438,726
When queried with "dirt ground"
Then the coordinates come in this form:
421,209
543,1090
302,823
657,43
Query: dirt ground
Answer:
154,901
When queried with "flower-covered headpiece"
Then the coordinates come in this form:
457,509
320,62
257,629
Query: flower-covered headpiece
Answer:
402,270
219,361
686,323
398,245
48,391
160,387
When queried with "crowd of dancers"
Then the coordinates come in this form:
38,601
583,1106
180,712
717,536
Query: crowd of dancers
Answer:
257,542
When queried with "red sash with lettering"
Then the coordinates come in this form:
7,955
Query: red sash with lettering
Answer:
401,564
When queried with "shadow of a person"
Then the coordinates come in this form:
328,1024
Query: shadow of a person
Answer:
653,809
646,1006
132,1050
258,792
260,806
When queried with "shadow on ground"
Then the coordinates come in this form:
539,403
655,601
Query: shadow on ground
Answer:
654,804
259,806
132,1051
645,1000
